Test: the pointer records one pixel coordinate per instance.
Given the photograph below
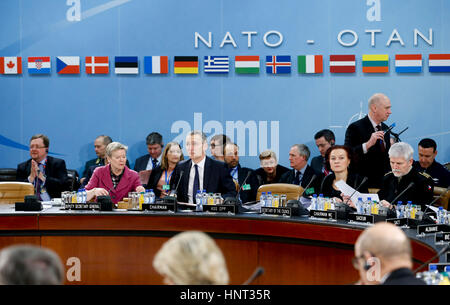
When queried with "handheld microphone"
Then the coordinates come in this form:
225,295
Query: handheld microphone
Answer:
402,192
310,181
359,186
433,258
390,128
257,273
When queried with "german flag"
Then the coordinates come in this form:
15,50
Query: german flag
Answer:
186,65
375,63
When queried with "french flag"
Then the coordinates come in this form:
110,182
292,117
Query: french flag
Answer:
156,64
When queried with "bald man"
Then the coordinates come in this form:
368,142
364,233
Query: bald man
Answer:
383,256
370,142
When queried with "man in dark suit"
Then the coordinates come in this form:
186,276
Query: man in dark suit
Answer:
154,142
200,172
369,141
301,173
100,144
47,174
428,164
324,139
383,256
241,174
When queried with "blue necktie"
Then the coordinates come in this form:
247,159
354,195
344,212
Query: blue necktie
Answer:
154,163
297,178
196,183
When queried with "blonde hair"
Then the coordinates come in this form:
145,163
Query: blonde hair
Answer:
113,146
191,258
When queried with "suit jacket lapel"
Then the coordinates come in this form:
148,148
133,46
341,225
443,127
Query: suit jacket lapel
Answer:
106,178
206,173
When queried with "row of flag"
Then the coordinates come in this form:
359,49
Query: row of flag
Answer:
279,64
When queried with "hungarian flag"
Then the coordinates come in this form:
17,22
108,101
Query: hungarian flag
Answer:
439,62
310,64
375,63
156,64
10,65
342,64
280,64
126,65
97,64
408,63
68,64
185,65
39,65
246,64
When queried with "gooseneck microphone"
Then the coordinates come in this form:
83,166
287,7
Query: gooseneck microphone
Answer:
178,183
357,189
433,258
401,193
310,181
257,273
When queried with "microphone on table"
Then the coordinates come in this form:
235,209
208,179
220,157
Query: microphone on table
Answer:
235,200
310,182
402,192
433,258
296,207
257,273
343,209
431,203
171,198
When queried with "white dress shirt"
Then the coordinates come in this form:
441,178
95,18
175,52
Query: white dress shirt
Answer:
150,163
201,171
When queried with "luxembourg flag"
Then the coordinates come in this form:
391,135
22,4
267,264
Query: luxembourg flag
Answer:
68,64
408,63
439,62
39,65
10,65
156,64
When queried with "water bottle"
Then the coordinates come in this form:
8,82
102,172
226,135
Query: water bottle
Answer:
400,210
408,209
84,196
440,216
368,206
436,277
147,196
320,202
80,196
262,199
314,202
269,199
204,198
198,201
151,197
360,206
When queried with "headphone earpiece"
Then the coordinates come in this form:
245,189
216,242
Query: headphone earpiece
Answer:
367,266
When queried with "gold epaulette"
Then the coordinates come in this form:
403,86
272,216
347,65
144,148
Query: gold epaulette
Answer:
425,175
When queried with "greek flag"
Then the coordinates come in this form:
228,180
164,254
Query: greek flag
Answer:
216,64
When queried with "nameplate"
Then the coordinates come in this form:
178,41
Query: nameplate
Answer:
159,207
276,211
82,206
220,208
442,238
361,218
400,222
431,229
323,214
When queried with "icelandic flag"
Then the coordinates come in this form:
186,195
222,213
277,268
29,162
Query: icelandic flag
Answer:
216,64
39,65
68,64
439,62
10,65
156,64
280,64
408,63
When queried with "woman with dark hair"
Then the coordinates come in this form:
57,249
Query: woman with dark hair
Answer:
160,177
338,159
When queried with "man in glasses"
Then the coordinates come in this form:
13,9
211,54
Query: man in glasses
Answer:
46,173
383,256
217,145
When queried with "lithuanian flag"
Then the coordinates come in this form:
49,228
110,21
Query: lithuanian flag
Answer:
375,63
185,65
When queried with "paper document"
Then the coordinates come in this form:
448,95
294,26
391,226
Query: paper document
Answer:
144,175
348,190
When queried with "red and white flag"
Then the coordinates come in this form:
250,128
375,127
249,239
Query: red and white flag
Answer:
342,64
97,65
10,65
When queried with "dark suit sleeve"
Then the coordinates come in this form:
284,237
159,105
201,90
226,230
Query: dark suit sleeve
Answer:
227,186
285,178
56,180
22,172
353,139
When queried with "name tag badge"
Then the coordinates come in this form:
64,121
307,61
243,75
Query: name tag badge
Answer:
166,187
246,187
309,191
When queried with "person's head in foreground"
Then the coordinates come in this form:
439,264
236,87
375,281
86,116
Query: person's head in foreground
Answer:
191,258
30,265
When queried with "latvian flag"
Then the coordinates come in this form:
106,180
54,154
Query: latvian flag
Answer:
39,65
97,65
185,65
126,65
68,64
342,64
216,64
375,63
310,64
439,62
10,65
156,64
280,64
246,64
408,63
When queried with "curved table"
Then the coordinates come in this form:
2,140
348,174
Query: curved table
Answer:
118,247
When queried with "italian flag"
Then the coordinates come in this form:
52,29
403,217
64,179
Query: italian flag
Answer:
246,64
310,64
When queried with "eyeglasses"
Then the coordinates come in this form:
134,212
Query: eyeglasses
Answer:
37,147
355,261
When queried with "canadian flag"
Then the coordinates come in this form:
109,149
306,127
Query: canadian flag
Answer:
11,65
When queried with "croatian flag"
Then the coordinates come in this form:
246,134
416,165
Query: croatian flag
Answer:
156,64
439,62
408,63
280,64
68,64
39,65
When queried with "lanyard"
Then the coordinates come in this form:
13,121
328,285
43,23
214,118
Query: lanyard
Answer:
165,176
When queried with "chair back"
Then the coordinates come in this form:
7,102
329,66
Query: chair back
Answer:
73,181
12,192
443,201
292,191
8,174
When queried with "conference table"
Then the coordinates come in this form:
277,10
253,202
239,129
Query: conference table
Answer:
118,247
